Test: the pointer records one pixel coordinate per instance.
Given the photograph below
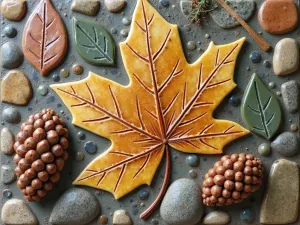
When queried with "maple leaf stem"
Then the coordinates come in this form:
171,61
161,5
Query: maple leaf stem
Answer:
163,189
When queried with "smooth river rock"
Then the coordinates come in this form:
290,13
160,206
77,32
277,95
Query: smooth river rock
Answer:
8,175
281,201
87,7
182,203
245,8
16,212
7,141
114,5
121,217
286,57
75,207
16,88
216,218
290,95
286,144
12,55
13,10
11,115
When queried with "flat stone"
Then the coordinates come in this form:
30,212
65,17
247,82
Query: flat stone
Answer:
75,207
286,56
7,141
121,217
278,16
16,212
87,7
186,8
11,115
245,8
281,201
13,9
114,5
216,218
290,95
16,88
182,204
8,175
286,144
12,55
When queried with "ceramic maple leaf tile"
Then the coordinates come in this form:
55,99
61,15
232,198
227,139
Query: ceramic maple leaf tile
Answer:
168,102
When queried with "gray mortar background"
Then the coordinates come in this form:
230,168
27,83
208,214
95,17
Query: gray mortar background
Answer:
180,169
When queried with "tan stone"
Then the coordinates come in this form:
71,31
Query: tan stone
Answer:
121,217
13,9
88,7
16,88
281,201
7,141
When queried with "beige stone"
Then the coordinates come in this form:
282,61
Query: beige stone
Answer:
121,217
114,5
16,88
87,7
13,9
16,212
281,201
216,218
7,141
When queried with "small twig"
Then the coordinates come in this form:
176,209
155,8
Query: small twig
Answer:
261,42
161,194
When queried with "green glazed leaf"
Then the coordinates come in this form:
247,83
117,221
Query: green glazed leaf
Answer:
93,42
260,109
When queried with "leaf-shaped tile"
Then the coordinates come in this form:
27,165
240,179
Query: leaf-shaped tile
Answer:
44,38
93,42
260,109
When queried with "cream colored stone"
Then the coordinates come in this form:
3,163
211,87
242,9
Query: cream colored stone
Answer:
216,218
114,5
281,201
13,9
87,7
121,217
7,141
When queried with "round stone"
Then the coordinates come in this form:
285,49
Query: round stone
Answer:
114,5
247,216
77,69
286,144
55,77
42,90
90,147
255,57
294,127
114,30
7,193
12,55
271,85
64,72
10,31
193,174
124,33
144,194
164,3
207,36
81,135
191,45
264,149
278,93
103,219
193,160
126,21
11,115
79,156
234,100
267,64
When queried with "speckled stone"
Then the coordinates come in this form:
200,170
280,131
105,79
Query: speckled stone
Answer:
8,175
90,147
12,55
278,16
286,144
182,204
75,207
281,201
16,88
121,217
87,7
245,8
42,90
13,10
290,95
114,5
7,141
11,115
286,57
10,31
216,218
16,212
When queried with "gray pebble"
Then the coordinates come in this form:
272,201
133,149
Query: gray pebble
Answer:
193,160
126,21
81,135
42,90
272,85
286,144
182,204
75,207
7,193
124,33
11,115
7,174
10,31
114,30
290,95
191,45
12,55
207,36
193,174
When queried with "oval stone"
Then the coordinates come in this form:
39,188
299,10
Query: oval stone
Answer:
216,218
12,55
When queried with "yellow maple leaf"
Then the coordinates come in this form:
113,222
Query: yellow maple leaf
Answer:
168,102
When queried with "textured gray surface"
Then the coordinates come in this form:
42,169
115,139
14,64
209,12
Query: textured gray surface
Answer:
118,74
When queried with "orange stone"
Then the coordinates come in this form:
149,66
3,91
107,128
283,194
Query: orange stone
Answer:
278,16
